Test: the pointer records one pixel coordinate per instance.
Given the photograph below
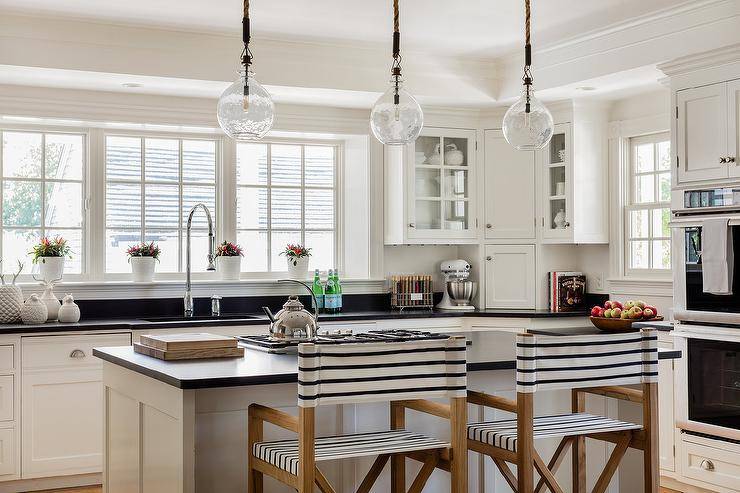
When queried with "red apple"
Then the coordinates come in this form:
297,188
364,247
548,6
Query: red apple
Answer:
608,313
607,305
616,312
655,310
617,304
595,311
640,303
636,313
601,312
648,313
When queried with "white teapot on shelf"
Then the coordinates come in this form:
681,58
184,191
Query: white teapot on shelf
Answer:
435,158
453,155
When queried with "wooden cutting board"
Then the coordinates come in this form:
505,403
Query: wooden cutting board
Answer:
180,342
184,354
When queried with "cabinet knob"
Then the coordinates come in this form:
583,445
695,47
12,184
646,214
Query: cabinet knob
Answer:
489,258
722,160
730,159
489,225
567,224
77,353
412,225
707,465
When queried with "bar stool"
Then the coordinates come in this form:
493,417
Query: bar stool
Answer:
403,373
599,364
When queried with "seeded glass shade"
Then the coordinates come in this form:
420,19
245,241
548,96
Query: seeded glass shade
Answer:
528,131
245,118
396,124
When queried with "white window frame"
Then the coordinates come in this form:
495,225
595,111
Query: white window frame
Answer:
87,223
219,186
630,205
338,201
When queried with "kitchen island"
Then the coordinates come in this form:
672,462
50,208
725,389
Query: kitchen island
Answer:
182,426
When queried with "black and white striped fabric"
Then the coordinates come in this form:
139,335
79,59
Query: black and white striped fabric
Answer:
503,434
557,362
385,371
284,453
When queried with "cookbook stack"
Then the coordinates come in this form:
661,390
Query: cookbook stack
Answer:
171,347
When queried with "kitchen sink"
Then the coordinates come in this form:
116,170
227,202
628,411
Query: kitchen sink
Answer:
201,318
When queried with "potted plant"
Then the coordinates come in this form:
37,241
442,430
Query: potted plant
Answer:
142,258
229,260
297,256
49,255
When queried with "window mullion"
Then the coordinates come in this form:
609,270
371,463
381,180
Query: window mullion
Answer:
180,212
269,207
303,195
142,177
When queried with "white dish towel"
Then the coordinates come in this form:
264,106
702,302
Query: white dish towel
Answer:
717,257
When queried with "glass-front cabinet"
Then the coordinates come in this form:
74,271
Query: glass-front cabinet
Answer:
557,166
439,172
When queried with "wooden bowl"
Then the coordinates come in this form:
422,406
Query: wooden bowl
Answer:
619,324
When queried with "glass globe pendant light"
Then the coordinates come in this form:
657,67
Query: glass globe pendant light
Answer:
528,124
245,109
396,117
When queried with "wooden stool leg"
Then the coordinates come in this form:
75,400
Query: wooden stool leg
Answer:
306,453
525,443
254,434
650,423
578,400
398,461
459,442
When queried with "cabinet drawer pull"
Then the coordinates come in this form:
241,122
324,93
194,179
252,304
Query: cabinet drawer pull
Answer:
707,465
412,225
722,160
730,159
489,258
567,224
77,353
489,225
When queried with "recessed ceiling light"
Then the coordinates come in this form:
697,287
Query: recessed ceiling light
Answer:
131,85
585,88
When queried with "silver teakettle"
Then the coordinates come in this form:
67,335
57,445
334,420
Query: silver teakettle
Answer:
294,321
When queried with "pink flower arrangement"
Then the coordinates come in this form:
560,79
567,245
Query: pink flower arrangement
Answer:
55,247
294,252
228,249
144,250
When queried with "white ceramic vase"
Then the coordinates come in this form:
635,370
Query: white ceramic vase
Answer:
50,268
298,268
69,313
559,219
51,302
142,268
11,301
229,268
34,311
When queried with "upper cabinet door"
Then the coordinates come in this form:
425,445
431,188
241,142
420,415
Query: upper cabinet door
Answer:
701,133
733,128
510,189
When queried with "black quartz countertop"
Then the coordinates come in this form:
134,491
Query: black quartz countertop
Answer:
260,319
260,368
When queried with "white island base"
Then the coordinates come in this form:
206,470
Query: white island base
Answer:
161,438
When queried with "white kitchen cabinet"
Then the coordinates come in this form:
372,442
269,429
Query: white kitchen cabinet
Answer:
574,179
510,276
733,128
430,189
62,404
8,452
510,189
701,133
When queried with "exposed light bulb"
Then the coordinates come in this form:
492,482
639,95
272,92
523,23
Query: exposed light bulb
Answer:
396,117
245,109
528,124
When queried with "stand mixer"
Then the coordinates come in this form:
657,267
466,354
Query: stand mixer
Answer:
458,290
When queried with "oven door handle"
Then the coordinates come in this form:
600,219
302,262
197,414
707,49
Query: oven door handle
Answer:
689,222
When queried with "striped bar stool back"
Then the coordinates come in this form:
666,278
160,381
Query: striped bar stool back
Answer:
600,364
406,374
368,372
568,362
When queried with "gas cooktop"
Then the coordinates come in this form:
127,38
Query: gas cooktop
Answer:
279,345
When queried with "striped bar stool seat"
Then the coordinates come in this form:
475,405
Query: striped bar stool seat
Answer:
284,453
599,364
503,433
405,374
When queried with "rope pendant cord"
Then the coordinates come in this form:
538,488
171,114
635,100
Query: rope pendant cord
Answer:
396,68
246,54
527,52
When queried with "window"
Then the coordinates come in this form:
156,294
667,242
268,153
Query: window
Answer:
648,206
286,194
43,190
151,185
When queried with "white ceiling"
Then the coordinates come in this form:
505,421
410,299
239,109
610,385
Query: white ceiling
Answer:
478,28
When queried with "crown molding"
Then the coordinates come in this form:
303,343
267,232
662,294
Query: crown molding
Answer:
710,59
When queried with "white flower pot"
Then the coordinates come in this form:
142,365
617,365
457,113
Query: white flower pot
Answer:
229,268
50,268
142,268
298,268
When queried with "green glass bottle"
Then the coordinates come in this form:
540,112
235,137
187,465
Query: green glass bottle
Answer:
318,291
339,290
330,294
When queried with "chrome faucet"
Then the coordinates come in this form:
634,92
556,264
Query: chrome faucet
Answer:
188,299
